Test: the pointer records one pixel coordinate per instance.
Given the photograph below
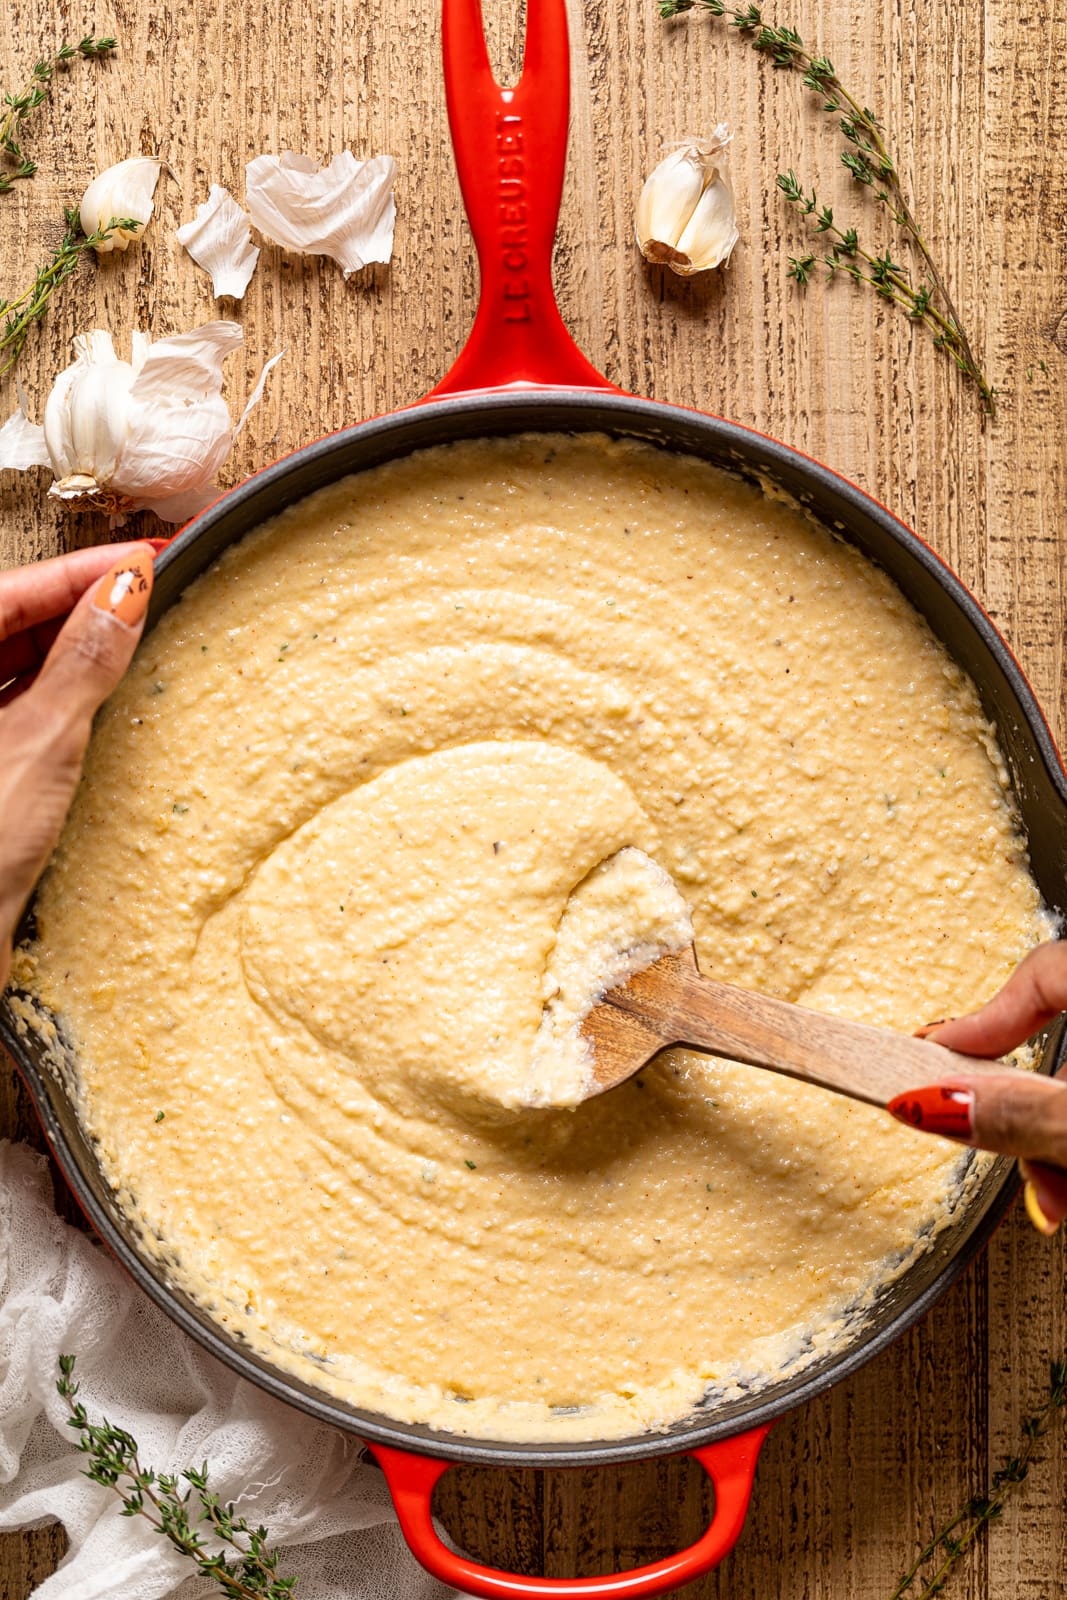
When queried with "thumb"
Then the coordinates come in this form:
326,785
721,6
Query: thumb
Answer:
44,732
1046,1195
1024,1119
1016,1116
1035,993
96,643
1011,1114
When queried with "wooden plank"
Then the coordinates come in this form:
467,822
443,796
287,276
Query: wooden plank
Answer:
851,1483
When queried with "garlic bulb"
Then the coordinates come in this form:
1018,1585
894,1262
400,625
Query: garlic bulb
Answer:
219,241
124,192
345,210
148,433
685,214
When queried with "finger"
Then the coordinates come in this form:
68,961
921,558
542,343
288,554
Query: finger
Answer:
45,731
1024,1117
26,650
1010,1113
33,594
1011,1116
1046,1195
1033,996
94,647
17,686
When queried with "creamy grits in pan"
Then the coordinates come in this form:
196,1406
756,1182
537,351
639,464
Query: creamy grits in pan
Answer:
300,929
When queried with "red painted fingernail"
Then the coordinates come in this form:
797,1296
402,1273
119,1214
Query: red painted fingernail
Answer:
124,592
938,1108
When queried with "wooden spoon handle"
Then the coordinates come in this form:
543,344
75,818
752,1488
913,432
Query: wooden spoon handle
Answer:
871,1064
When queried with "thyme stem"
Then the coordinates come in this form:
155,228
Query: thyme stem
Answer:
949,1543
885,270
37,90
28,307
114,1462
870,161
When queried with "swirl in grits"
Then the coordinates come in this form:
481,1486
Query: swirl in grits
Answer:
308,897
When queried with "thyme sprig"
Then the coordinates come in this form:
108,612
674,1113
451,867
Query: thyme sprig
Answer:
888,278
870,161
181,1514
28,307
952,1541
36,91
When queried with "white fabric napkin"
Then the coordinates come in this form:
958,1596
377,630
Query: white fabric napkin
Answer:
308,1483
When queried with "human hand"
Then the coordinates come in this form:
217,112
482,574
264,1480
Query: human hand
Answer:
1026,1119
54,674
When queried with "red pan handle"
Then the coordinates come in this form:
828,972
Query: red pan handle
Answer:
511,149
730,1464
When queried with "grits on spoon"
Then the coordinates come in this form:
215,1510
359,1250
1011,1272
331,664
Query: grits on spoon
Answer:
646,992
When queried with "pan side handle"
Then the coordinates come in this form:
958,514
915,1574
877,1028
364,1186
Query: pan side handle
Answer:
730,1464
511,149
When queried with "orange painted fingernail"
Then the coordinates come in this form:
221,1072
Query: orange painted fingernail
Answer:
125,591
931,1027
938,1108
1042,1223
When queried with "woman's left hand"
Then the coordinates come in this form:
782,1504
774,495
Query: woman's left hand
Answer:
54,675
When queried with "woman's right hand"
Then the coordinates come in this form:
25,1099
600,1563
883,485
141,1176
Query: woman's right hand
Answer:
1027,1119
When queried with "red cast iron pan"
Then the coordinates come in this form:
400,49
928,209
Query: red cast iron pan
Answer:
521,370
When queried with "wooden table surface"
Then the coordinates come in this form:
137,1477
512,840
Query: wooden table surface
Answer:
974,96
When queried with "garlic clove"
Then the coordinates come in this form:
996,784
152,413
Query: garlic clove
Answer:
219,241
94,422
85,416
121,192
22,442
711,232
344,210
667,202
685,213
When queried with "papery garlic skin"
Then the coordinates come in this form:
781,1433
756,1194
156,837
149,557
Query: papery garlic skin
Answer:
122,192
22,443
219,241
685,212
179,431
344,210
148,433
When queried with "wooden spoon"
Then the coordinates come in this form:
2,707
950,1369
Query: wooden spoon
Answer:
671,1002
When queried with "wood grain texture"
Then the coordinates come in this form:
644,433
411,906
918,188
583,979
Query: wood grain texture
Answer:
974,98
672,1002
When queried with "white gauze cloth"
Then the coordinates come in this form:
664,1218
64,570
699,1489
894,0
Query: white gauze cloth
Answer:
320,1500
